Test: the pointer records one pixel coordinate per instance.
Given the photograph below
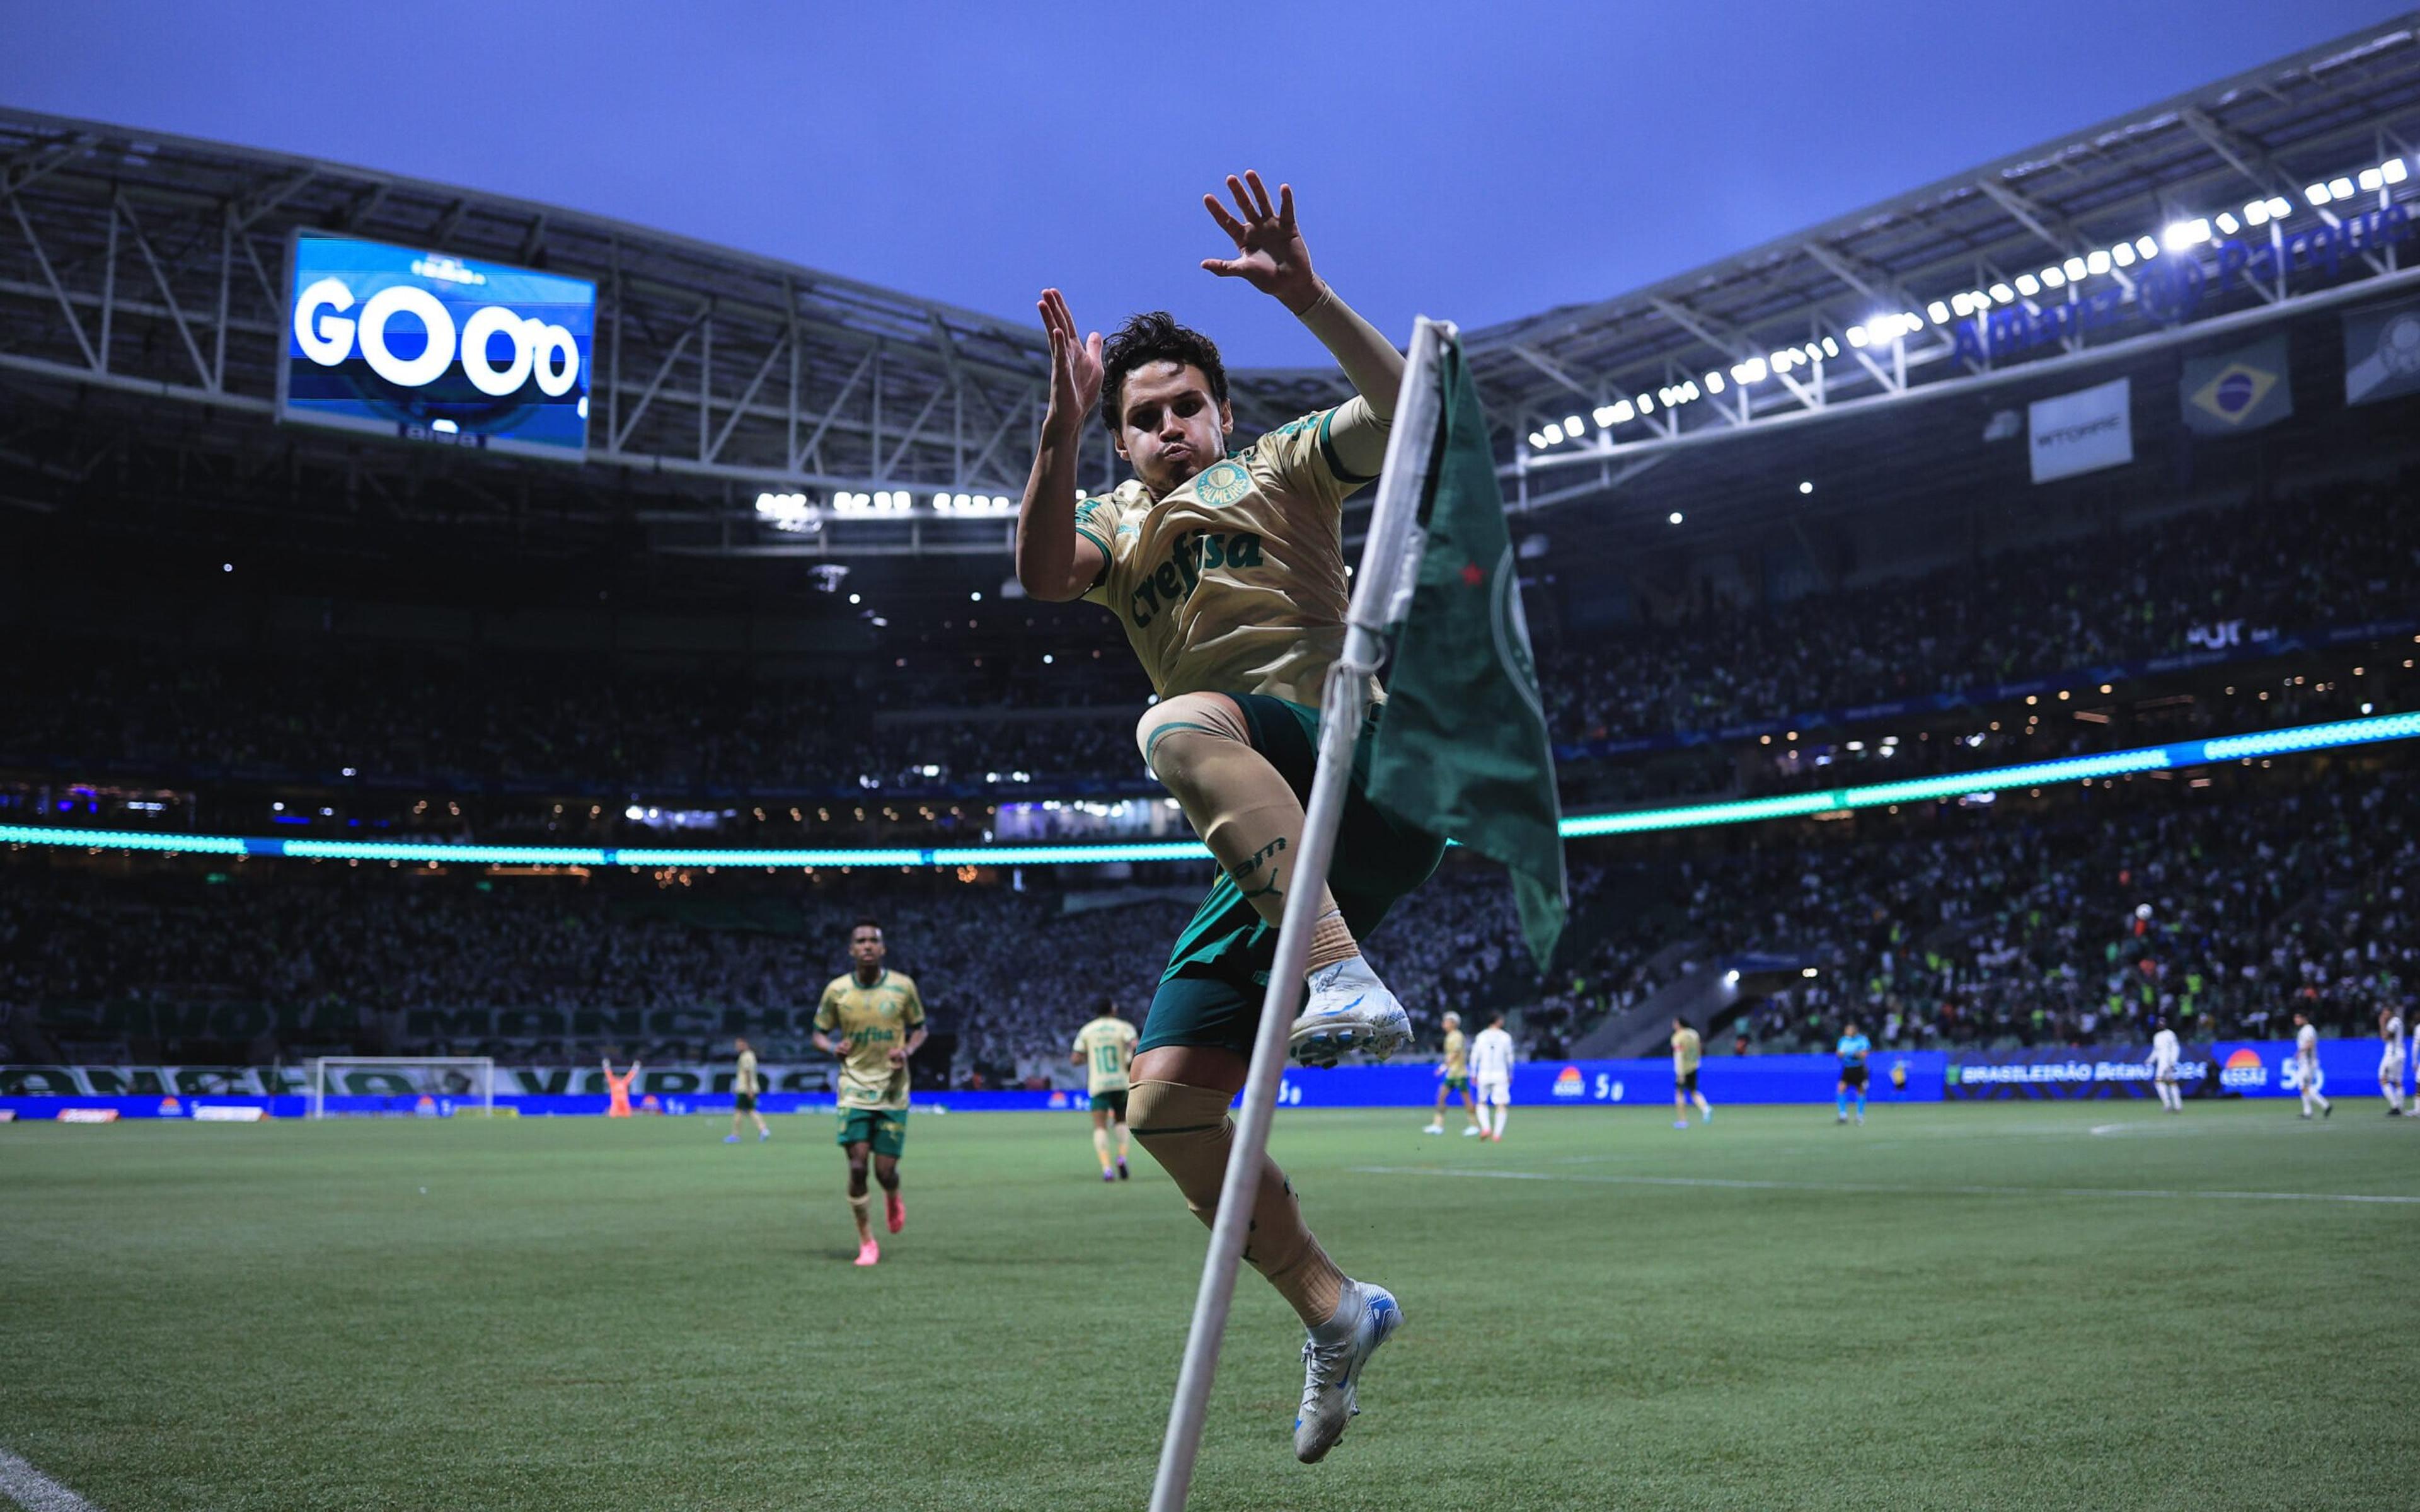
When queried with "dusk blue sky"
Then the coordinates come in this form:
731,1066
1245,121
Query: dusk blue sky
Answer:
1478,162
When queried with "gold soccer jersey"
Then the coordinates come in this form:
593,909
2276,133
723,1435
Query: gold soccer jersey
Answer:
1687,1050
1457,1054
746,1080
1107,1046
1234,582
875,1020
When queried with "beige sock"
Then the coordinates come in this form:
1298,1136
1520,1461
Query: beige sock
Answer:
1186,1130
1101,1146
862,1209
1199,746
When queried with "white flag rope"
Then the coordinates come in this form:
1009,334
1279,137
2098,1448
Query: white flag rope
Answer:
1381,592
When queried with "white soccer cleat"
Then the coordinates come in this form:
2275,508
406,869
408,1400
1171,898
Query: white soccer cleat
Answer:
1473,1131
1349,1008
1433,1128
1331,1366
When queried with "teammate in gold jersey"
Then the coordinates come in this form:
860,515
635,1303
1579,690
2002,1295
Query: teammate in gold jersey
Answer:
1225,568
1105,1048
873,1020
1454,1076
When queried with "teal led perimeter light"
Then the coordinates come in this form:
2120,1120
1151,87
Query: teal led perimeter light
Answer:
2182,753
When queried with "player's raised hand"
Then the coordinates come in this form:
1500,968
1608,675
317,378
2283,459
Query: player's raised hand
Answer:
1269,250
1075,363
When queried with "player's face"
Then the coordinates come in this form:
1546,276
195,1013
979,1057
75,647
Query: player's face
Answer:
1171,428
865,946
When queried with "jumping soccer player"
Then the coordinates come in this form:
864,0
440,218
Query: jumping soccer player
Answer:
1852,1049
2390,1063
881,1022
1105,1048
1225,568
1491,1061
2307,1075
1454,1076
1687,1050
743,1096
618,1089
2164,1051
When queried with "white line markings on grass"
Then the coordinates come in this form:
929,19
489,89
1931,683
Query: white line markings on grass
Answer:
1745,1184
35,1491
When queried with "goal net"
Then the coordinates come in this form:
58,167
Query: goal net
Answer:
401,1086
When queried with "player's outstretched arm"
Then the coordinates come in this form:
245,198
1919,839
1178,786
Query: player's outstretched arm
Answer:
1270,256
1053,563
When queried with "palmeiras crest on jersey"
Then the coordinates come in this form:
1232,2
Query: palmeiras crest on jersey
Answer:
1512,629
1222,484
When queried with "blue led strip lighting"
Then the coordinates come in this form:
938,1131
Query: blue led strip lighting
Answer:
1742,811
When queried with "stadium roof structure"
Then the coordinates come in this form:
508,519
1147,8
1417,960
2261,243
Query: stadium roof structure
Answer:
142,318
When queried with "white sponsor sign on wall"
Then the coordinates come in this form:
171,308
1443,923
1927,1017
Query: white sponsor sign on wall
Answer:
2081,432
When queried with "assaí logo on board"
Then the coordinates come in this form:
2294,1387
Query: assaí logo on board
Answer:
1569,1082
2244,1070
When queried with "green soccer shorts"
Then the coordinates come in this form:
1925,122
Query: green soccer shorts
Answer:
1210,993
885,1129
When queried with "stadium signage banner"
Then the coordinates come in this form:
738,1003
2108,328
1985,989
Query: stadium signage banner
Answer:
390,341
2230,1067
2081,432
2382,353
406,1091
2182,287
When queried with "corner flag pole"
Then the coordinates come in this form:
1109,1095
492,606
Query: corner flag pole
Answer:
1380,592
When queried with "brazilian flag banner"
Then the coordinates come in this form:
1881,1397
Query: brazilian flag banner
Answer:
1463,748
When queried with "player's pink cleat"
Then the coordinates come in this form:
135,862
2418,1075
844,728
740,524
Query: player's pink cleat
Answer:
868,1253
894,1210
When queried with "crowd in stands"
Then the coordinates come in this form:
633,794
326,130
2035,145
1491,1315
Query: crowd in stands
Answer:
2344,556
2224,918
2075,921
353,961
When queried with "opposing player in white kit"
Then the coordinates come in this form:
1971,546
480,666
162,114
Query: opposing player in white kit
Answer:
2306,1066
2390,1063
1491,1067
2164,1051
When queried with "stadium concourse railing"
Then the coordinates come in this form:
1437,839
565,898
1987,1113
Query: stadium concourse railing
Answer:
2172,756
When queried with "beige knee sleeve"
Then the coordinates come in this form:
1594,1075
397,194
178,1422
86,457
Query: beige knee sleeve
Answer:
1200,747
1186,1131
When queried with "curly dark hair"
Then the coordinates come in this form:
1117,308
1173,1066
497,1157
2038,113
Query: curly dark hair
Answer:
1155,337
865,921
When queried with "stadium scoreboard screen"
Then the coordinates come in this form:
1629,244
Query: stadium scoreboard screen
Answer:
424,347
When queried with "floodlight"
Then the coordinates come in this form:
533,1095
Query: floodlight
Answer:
2027,286
1675,517
2317,194
2074,267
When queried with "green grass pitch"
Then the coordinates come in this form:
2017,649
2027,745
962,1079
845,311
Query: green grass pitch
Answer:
2001,1305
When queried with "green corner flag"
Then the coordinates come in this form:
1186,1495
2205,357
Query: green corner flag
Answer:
1463,750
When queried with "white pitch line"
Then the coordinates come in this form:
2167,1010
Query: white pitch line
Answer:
35,1491
1741,1183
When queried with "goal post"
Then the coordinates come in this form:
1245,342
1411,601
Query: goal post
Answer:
463,1079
